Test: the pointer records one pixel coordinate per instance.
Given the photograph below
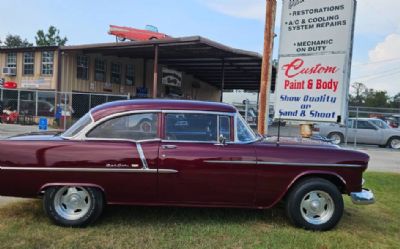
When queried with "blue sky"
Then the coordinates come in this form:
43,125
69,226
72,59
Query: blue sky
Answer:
238,23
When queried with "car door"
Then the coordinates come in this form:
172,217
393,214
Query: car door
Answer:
127,144
209,173
366,133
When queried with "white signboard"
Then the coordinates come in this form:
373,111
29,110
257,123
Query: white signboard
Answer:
316,26
41,83
171,77
311,89
314,60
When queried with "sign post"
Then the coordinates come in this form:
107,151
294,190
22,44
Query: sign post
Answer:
315,60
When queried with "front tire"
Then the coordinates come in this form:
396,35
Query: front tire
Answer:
315,204
73,206
394,143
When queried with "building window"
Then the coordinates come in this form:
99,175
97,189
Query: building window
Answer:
82,70
130,75
100,70
29,62
12,60
116,73
47,62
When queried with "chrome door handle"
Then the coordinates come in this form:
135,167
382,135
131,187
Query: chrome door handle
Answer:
169,147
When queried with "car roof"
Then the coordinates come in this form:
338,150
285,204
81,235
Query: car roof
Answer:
115,107
366,119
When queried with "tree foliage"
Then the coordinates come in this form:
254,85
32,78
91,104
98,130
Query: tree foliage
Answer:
363,96
15,41
51,38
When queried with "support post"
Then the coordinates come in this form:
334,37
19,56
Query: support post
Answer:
266,68
222,79
155,72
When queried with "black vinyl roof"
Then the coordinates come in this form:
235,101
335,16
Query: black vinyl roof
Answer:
193,55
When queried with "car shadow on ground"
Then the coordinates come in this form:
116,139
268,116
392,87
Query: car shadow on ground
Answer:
195,215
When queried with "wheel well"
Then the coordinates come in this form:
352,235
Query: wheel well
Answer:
331,178
392,138
47,186
335,132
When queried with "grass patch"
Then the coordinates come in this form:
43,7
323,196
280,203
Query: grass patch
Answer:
24,225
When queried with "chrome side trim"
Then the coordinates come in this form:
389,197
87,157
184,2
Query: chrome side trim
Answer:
311,164
230,162
142,157
285,164
87,170
167,171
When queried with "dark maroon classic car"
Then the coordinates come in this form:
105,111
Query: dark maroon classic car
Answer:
178,153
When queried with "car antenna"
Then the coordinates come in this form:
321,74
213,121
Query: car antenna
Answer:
279,131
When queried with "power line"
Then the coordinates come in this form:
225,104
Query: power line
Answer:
376,62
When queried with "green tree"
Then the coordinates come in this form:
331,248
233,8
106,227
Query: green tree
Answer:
15,41
360,91
51,38
375,98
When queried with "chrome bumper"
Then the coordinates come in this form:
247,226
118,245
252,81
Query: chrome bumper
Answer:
364,197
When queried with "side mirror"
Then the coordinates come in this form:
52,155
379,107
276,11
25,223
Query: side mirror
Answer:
222,140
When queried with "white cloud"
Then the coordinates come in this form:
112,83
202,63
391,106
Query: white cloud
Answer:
387,50
382,72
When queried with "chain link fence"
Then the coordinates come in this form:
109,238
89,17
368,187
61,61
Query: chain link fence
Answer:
351,132
61,109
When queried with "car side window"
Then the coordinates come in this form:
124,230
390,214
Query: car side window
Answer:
191,127
225,127
365,125
350,124
141,126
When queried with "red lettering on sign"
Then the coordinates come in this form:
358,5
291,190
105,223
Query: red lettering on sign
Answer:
296,68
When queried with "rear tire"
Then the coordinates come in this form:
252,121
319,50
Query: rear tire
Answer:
315,204
336,137
73,206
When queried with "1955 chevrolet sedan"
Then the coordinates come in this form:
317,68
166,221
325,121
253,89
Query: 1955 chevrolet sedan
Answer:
178,153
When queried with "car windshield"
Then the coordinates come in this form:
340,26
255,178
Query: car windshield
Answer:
380,123
78,126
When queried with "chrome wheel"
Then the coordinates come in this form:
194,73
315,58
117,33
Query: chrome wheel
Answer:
395,143
335,138
317,207
72,203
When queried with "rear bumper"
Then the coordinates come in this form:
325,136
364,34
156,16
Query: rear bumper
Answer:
364,197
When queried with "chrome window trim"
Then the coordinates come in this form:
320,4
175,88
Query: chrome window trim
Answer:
199,112
218,114
82,134
141,155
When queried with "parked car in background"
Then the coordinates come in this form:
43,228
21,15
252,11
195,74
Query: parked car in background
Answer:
363,130
179,153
